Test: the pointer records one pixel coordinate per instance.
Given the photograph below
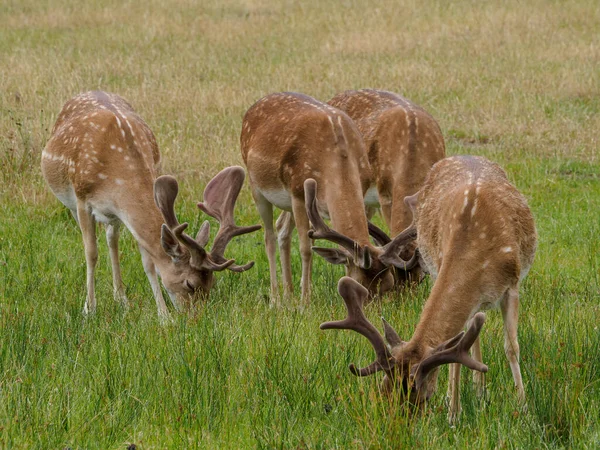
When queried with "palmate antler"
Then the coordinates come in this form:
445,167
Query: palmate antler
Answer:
354,296
455,350
220,195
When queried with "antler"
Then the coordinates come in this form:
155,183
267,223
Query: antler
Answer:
219,201
354,296
381,238
361,255
165,193
392,250
455,350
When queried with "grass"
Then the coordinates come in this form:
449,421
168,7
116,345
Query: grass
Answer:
518,83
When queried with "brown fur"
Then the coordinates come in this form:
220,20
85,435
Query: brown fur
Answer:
403,142
101,162
287,138
477,237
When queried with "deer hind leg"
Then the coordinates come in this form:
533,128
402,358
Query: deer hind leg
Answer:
150,270
112,239
285,226
87,224
265,209
510,313
454,392
303,225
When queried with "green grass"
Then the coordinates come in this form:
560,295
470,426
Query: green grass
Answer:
518,83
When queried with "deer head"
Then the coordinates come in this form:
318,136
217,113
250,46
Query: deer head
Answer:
408,365
193,267
366,264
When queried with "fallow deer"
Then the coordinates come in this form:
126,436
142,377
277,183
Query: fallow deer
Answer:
403,141
477,239
287,139
101,162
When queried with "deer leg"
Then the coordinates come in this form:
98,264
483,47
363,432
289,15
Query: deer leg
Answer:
303,225
370,211
510,314
478,377
265,209
150,270
87,224
453,392
112,239
285,226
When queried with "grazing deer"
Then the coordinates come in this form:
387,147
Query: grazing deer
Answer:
287,139
101,163
477,238
403,141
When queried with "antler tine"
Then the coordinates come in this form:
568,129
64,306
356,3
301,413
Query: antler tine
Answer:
321,230
165,193
380,236
354,295
200,259
455,350
220,196
391,251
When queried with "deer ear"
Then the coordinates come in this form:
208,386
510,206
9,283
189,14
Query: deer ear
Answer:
332,255
411,201
170,243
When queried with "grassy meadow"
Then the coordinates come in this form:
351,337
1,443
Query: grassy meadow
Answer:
517,82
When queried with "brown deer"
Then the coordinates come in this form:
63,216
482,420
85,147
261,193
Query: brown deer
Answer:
403,141
287,139
101,163
477,238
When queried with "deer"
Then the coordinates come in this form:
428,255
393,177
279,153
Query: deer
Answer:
477,238
403,142
291,142
101,162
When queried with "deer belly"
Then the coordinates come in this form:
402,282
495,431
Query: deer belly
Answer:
67,197
104,214
280,198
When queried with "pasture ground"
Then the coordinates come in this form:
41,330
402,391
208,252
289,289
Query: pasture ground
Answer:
517,82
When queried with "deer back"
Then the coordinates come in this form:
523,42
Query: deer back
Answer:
475,225
403,142
100,148
288,138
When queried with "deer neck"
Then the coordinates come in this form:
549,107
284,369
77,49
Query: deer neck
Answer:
347,213
144,221
447,310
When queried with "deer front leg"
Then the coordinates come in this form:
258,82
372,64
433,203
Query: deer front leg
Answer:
112,239
303,225
453,392
87,224
478,377
150,270
265,209
510,314
285,226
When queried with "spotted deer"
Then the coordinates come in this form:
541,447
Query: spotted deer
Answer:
291,142
403,141
477,238
101,162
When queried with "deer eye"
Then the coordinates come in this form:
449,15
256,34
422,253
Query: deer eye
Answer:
189,286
